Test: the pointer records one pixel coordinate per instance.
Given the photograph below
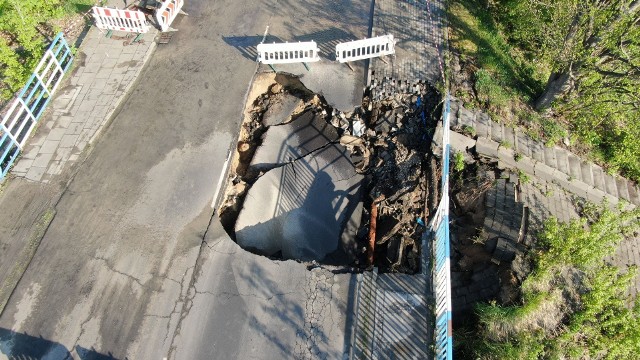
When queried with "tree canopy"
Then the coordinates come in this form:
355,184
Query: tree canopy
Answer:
592,49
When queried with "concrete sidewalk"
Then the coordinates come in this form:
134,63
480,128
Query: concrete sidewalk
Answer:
103,71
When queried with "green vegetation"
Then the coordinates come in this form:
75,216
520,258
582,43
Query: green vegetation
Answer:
26,28
458,161
555,66
523,177
573,304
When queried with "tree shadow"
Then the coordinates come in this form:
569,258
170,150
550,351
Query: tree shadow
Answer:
327,40
314,332
16,345
393,319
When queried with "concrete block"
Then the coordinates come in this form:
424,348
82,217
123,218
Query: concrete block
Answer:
487,147
598,177
575,167
537,150
507,156
455,107
585,172
595,196
35,173
49,146
522,144
634,193
460,142
509,136
550,157
623,189
496,132
526,164
562,160
546,172
466,117
482,129
610,184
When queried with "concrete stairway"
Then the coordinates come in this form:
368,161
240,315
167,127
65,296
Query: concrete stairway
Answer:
514,149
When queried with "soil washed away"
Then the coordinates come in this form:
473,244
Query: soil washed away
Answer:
305,177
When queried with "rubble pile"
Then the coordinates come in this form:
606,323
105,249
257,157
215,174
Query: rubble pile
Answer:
393,152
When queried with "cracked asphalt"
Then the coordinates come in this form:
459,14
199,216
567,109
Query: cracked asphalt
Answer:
134,264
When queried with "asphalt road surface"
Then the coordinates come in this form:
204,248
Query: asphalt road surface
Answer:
134,265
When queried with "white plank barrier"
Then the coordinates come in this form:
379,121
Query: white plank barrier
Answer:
122,20
286,53
167,12
365,49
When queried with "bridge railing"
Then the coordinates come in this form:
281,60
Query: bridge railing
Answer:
439,229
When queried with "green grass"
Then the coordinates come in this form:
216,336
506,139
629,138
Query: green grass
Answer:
503,75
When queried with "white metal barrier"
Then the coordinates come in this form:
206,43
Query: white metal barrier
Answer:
365,49
167,12
122,20
286,53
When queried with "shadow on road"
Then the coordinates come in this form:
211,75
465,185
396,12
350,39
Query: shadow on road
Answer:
15,345
247,45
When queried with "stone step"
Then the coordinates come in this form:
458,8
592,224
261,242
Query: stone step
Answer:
575,167
562,160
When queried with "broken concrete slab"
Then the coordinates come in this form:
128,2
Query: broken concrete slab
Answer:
487,147
460,142
285,143
281,107
301,209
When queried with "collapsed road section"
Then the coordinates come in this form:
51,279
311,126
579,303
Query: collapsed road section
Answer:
311,183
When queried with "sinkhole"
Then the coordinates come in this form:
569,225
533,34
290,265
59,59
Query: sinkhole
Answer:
314,184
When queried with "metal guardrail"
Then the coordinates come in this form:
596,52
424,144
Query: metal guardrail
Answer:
439,227
28,106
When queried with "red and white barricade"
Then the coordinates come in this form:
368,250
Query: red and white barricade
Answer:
365,49
122,20
167,12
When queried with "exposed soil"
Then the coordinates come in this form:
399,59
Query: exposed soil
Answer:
388,142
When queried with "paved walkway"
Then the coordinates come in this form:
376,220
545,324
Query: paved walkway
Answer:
103,70
418,30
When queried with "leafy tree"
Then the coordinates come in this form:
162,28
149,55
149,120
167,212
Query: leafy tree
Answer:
22,38
592,51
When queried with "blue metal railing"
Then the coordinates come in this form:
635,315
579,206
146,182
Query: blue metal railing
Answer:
439,227
29,105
